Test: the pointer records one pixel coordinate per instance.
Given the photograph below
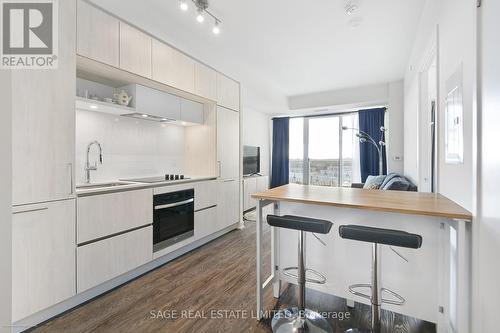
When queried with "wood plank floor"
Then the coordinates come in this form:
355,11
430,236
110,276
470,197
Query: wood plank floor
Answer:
219,276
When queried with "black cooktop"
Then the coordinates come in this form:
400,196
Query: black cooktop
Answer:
156,179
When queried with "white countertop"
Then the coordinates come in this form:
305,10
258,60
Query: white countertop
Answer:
127,186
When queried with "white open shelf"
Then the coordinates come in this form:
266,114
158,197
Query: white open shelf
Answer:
99,106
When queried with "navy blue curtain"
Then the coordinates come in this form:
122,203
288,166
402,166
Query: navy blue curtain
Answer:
370,122
280,168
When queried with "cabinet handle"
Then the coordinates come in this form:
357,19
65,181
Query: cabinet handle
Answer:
219,169
30,210
72,190
228,180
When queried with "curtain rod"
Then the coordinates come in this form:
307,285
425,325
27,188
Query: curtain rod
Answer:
327,114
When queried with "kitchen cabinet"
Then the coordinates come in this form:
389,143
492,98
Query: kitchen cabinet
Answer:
191,111
107,214
205,81
43,122
251,185
154,102
135,50
104,260
205,222
228,143
98,34
228,203
228,92
172,67
204,194
43,256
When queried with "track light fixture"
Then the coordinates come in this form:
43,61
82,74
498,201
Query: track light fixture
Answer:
202,9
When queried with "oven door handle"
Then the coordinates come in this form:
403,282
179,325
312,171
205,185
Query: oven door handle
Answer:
175,204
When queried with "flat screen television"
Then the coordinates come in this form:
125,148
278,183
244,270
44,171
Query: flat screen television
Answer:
251,160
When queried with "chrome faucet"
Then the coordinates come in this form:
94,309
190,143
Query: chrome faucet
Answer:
89,168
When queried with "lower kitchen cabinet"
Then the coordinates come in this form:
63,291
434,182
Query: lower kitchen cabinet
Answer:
106,214
205,222
43,256
228,203
106,259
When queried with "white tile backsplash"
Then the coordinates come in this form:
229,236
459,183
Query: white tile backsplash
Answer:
131,147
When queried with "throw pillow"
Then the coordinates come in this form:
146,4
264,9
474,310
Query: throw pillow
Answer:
373,182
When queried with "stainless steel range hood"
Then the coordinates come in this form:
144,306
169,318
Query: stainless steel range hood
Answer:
144,116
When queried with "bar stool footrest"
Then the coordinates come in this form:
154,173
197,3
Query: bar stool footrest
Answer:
319,278
399,300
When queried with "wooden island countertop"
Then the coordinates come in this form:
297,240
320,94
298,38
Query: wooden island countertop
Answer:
414,203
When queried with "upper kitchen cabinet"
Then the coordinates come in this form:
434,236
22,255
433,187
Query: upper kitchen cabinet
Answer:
205,82
43,122
228,92
97,34
135,50
172,67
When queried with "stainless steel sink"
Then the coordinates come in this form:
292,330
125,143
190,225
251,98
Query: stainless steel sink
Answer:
100,185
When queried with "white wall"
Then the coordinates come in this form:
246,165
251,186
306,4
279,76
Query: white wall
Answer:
390,94
454,21
5,202
395,135
256,132
131,147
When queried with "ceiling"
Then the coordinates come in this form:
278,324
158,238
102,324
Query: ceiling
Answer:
283,48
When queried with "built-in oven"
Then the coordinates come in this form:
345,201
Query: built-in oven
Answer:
173,218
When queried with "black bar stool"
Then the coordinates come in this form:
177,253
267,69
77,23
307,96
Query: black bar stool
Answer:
378,236
300,319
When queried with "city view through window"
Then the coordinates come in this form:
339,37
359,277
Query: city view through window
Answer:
331,154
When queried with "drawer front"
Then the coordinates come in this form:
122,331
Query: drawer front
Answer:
205,194
106,259
106,214
205,222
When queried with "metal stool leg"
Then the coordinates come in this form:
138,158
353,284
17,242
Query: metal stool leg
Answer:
376,299
300,319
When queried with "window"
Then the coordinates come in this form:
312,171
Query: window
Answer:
321,153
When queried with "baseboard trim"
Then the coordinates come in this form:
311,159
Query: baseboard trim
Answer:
89,295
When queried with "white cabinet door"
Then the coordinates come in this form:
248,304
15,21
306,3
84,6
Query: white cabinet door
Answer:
135,51
205,82
204,194
98,34
205,222
191,111
228,203
43,122
249,187
107,214
228,143
228,92
106,259
172,67
43,256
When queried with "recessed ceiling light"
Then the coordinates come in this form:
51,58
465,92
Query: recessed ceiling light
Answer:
200,18
216,28
145,116
183,5
93,106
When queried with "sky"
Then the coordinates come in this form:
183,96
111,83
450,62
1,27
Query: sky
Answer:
323,137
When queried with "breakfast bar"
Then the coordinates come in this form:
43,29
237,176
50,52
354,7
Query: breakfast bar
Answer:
434,280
